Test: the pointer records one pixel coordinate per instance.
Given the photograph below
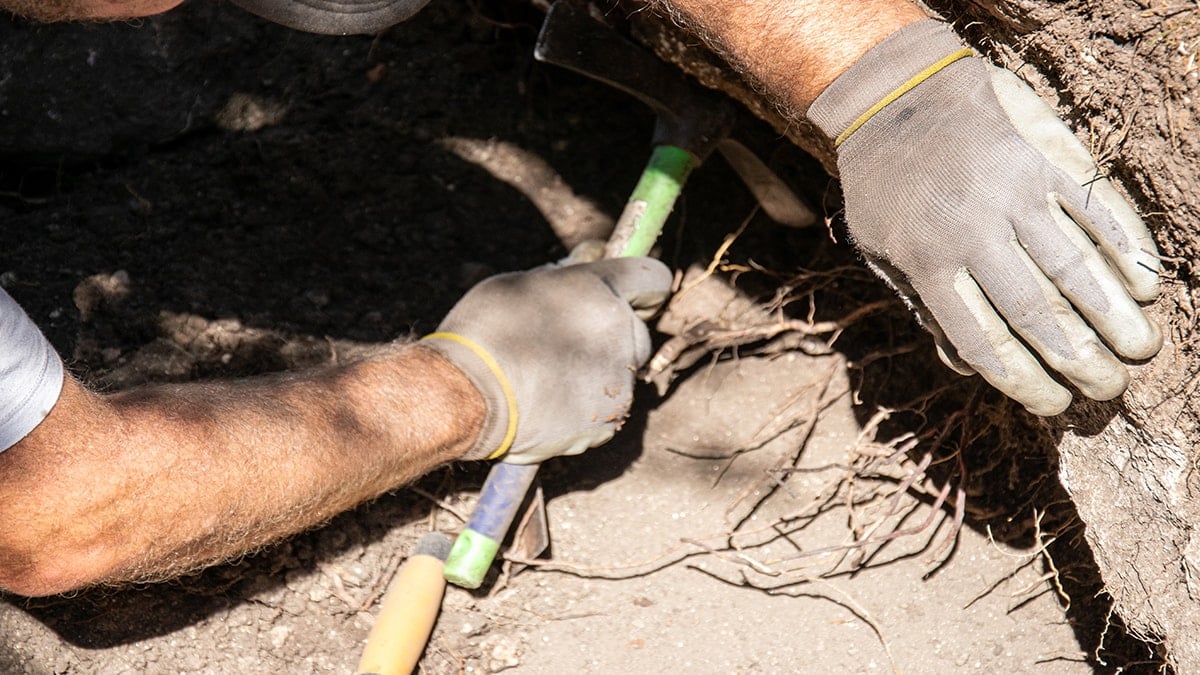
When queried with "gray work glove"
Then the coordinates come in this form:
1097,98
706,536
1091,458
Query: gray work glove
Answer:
554,352
335,17
971,197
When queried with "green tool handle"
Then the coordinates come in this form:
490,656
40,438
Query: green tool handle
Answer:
651,202
637,229
477,544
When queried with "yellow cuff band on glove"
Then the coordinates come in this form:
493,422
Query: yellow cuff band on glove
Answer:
900,91
509,396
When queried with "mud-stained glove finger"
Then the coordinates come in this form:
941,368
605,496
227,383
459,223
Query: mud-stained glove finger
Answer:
1035,311
983,339
1055,239
1109,220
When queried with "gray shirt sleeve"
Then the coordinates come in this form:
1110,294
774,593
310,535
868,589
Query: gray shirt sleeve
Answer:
31,374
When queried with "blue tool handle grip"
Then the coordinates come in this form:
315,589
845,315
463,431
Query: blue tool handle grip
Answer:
476,546
502,494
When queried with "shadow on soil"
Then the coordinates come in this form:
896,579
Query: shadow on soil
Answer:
1006,460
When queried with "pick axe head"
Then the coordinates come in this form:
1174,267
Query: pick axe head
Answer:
688,116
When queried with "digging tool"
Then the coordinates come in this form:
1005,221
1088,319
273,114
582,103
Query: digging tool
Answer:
409,610
689,117
691,122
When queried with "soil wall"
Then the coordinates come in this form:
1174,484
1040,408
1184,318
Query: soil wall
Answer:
1124,74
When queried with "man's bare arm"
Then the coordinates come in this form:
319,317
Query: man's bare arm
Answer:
85,10
793,49
963,190
159,481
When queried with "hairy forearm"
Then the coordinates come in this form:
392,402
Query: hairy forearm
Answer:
793,49
154,482
85,10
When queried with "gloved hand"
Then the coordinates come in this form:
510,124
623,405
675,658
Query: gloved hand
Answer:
554,352
971,197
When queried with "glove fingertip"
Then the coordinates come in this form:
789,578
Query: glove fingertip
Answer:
594,441
949,356
642,282
1143,346
1049,406
1026,382
1145,288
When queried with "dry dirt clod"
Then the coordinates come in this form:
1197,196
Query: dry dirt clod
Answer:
99,290
502,653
